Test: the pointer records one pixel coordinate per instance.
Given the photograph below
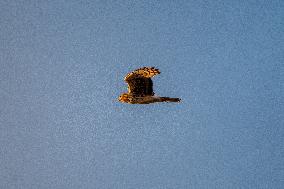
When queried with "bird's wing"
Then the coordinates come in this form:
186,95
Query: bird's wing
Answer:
139,81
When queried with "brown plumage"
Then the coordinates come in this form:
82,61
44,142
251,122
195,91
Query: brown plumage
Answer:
140,88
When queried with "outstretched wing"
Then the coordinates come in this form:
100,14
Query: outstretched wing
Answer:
139,81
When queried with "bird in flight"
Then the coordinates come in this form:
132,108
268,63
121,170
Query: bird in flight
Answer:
140,88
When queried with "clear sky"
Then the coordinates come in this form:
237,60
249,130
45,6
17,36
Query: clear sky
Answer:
62,65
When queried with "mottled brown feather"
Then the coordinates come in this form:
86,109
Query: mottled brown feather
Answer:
139,81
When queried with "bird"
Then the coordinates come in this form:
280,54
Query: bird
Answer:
140,88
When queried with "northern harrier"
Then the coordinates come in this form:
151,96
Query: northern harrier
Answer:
140,88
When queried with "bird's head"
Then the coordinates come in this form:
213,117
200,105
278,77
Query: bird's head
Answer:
124,98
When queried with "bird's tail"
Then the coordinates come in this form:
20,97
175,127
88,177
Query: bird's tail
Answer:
168,99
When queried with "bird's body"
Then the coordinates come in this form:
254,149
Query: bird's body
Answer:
140,88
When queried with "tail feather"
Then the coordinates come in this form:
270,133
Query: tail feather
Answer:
168,99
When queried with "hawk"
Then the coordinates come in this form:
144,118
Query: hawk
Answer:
140,87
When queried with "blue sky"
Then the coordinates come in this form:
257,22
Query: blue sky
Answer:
62,69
